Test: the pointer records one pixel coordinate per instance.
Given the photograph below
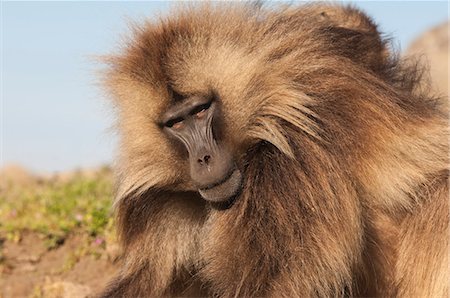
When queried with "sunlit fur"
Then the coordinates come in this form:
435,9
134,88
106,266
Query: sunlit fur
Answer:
345,163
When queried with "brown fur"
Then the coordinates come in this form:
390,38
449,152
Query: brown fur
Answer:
345,164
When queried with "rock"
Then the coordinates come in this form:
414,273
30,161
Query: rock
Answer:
432,47
26,268
64,289
29,258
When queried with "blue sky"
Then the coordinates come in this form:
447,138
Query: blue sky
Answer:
53,115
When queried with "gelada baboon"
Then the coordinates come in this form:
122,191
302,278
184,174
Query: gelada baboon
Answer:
276,152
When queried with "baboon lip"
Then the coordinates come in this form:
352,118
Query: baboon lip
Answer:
226,177
224,189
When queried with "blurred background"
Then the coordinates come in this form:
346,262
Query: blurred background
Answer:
57,143
53,115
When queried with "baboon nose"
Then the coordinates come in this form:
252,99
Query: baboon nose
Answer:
204,160
208,167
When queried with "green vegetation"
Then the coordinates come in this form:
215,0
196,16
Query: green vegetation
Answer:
57,207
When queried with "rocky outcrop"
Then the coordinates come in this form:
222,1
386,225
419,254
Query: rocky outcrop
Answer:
432,48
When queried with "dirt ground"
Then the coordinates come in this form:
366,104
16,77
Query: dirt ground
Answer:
29,269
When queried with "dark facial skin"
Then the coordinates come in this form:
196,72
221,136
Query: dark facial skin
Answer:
212,167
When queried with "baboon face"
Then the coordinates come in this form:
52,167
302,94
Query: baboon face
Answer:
194,122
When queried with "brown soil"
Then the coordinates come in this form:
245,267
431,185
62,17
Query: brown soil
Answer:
29,269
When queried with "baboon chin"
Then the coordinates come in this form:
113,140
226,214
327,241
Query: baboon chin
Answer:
276,153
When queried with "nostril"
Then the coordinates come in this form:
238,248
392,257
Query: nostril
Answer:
204,160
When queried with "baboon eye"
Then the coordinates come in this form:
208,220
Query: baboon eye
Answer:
199,111
175,123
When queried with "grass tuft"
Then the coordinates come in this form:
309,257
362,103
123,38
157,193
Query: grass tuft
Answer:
56,207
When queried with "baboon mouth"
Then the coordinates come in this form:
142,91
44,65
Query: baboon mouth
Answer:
223,190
